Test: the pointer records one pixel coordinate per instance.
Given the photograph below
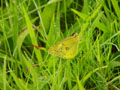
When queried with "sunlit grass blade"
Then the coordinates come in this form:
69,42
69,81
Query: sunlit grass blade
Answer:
81,87
32,71
20,84
32,34
84,79
116,7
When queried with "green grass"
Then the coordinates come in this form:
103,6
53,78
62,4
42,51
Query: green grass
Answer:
95,67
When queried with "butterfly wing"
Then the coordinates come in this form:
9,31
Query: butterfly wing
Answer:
70,47
56,49
67,48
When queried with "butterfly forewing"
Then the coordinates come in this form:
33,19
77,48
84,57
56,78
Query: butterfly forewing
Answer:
71,47
66,48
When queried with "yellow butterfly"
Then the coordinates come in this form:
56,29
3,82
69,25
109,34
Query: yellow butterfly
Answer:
66,48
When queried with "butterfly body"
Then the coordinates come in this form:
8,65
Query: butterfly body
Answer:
66,48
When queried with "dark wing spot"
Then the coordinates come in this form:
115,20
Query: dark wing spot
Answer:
67,48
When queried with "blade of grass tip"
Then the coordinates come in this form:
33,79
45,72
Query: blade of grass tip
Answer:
19,82
21,38
30,28
4,74
96,20
113,80
32,71
116,7
93,16
90,73
89,18
8,87
110,38
3,79
75,26
85,7
75,87
81,15
32,34
40,18
97,10
8,58
81,87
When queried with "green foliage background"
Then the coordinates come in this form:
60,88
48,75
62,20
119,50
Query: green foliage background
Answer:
24,23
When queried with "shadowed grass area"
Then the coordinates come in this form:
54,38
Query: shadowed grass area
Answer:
28,28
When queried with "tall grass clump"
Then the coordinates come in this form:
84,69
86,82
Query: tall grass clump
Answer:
28,28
